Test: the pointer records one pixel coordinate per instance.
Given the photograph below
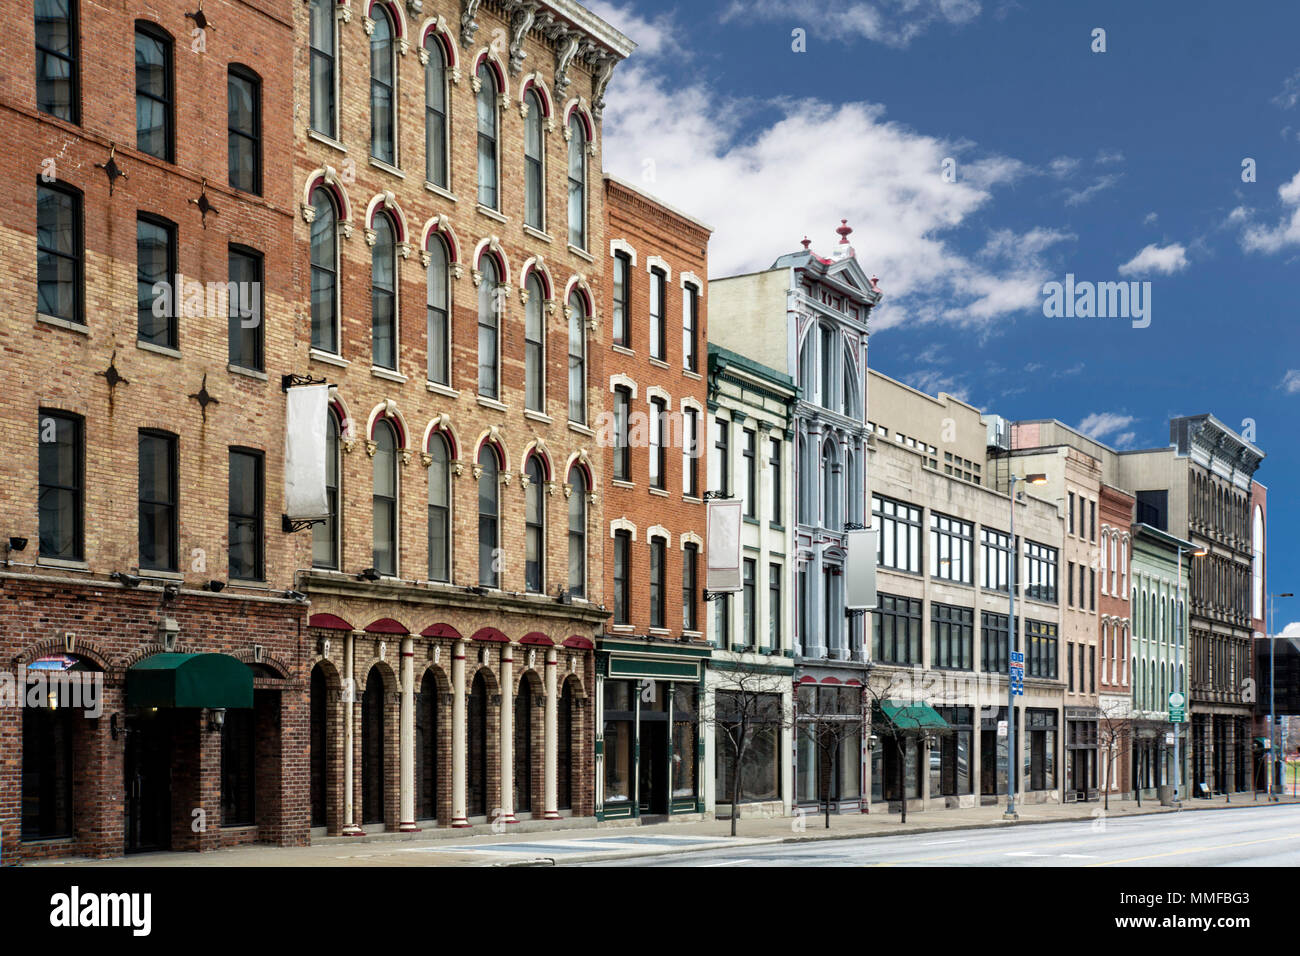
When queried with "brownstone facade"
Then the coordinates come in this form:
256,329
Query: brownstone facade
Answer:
1115,694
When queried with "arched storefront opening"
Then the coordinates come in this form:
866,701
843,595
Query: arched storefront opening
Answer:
477,750
372,749
524,747
426,748
319,756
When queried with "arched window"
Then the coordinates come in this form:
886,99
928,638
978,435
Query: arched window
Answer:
383,295
577,182
155,92
438,310
488,514
534,347
808,365
322,66
851,512
489,317
523,775
534,526
578,534
534,170
807,504
324,273
577,359
385,499
383,82
1105,540
1123,557
439,511
435,113
850,403
829,353
476,756
372,748
1257,564
325,535
830,486
487,136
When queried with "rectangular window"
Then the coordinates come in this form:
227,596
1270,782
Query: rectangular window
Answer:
153,93
61,495
720,463
750,619
435,115
57,70
1040,572
658,578
995,560
722,621
658,441
1092,669
156,268
691,453
689,554
1069,657
690,323
157,498
245,308
437,315
1092,590
993,642
774,607
1092,521
322,66
952,633
59,252
950,775
1069,584
622,448
749,450
897,631
245,513
1071,495
622,575
658,330
774,459
534,353
622,300
952,543
244,130
1040,654
898,534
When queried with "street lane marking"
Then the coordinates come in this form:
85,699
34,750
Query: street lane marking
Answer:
943,842
726,863
1199,849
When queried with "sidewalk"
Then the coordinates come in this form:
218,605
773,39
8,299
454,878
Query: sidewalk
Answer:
616,841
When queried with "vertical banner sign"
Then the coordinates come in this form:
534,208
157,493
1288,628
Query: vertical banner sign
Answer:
304,452
723,570
860,570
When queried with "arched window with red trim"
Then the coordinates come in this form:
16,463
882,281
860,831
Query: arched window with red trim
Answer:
324,272
439,510
577,358
489,326
325,535
577,182
487,136
578,533
385,499
383,88
383,295
435,112
489,514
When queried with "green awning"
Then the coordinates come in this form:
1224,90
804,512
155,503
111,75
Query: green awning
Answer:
912,717
190,680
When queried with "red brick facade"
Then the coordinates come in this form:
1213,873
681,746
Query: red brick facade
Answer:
1113,638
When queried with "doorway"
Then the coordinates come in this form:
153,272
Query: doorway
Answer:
653,768
148,780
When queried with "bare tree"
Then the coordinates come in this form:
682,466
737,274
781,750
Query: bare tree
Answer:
881,689
1114,726
746,708
828,715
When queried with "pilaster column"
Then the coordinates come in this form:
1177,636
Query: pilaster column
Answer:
350,827
406,739
459,798
551,750
507,734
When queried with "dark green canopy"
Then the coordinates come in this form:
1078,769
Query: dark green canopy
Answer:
915,717
190,680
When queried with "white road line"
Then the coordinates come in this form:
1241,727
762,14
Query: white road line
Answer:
943,842
725,863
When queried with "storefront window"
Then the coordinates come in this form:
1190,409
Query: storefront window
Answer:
878,773
618,741
47,772
850,765
806,774
950,755
685,725
760,773
237,748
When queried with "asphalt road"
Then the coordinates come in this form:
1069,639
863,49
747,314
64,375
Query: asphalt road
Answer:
1255,836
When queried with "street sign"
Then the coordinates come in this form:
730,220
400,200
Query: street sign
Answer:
1177,704
1002,728
1017,658
1169,739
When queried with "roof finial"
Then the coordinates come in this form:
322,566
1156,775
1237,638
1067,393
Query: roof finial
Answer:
806,243
844,231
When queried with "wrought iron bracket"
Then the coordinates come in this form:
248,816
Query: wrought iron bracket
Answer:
291,525
291,381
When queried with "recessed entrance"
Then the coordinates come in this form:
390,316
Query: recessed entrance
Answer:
148,779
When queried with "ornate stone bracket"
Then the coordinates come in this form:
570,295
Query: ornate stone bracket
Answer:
468,25
520,23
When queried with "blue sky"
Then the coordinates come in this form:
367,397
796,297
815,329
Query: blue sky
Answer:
1123,165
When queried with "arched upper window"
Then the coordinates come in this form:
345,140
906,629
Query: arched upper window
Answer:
534,163
487,136
435,113
577,182
155,87
325,535
534,526
849,405
577,358
383,295
385,499
324,273
808,365
489,492
534,347
807,483
578,533
439,511
244,128
830,486
1257,563
322,66
383,89
438,314
827,392
489,318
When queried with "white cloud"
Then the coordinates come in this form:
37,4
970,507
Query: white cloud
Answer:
1290,94
1077,197
746,168
1124,440
1062,166
1291,630
894,23
1257,238
652,37
932,381
1100,424
1291,381
1107,156
1164,260
1150,219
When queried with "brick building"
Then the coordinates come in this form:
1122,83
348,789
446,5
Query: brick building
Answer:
652,655
449,237
143,432
1114,694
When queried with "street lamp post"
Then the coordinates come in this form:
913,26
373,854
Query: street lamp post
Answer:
1197,552
1272,713
1011,625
